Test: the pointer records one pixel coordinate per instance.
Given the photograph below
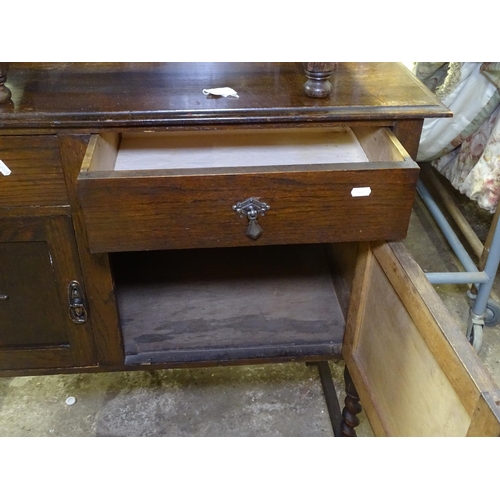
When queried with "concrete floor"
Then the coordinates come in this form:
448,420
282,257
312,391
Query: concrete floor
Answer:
265,400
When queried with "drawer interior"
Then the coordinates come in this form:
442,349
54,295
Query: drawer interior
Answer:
212,149
159,191
228,304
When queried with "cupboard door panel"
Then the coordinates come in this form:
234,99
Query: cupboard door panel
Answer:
38,263
414,370
29,288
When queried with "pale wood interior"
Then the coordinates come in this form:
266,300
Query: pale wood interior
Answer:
406,392
254,148
101,153
380,144
241,148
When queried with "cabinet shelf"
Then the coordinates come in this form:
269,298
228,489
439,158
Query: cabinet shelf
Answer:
227,304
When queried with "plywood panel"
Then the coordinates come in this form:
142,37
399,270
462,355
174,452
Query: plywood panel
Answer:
208,149
414,370
402,376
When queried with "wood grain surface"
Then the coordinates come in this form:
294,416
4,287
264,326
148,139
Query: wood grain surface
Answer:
36,176
83,95
192,208
227,304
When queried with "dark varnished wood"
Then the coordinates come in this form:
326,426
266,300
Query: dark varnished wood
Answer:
63,370
27,279
227,304
147,212
72,214
191,208
57,213
98,282
36,177
318,74
352,407
39,259
170,94
408,132
72,99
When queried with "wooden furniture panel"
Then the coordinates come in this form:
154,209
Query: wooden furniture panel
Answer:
82,96
95,267
29,280
39,262
64,143
36,177
414,370
228,304
312,202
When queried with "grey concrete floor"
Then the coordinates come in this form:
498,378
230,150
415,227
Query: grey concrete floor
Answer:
274,400
263,400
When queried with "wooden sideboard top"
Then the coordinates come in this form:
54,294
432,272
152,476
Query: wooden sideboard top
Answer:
103,95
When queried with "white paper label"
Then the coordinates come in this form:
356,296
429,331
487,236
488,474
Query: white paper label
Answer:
221,91
363,191
4,169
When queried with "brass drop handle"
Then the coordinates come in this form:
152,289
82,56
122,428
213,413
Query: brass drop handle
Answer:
252,208
77,310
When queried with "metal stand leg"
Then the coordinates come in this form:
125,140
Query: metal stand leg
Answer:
330,395
482,281
478,309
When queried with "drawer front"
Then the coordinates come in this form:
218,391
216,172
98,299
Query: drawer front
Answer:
164,209
191,212
36,177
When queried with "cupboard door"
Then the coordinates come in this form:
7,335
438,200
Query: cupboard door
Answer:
43,311
415,372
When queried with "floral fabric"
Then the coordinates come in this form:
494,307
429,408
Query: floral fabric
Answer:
466,148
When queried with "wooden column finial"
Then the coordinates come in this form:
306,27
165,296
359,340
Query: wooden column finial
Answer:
318,74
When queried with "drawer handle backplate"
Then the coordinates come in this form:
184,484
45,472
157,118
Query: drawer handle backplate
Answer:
77,309
252,208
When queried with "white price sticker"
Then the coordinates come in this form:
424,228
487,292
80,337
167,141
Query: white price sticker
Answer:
221,91
4,169
362,191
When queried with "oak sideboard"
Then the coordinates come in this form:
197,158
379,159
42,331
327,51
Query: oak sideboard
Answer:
147,222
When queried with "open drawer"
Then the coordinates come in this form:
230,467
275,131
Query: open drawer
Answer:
415,372
175,190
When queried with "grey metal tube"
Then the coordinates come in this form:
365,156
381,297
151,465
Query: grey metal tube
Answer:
490,268
457,278
446,229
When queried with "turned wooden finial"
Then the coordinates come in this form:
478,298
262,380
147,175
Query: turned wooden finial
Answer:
318,74
5,93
